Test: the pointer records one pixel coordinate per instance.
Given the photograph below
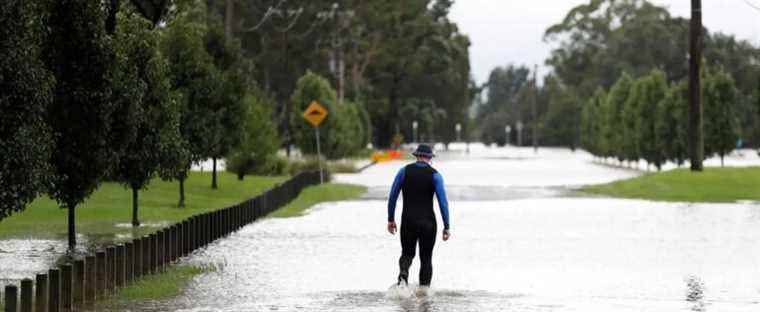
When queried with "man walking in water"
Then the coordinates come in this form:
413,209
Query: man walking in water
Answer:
418,181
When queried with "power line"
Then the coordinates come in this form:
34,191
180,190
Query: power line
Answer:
752,5
270,11
298,14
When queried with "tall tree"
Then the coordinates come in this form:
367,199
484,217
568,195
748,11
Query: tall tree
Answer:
156,116
192,74
79,54
618,98
226,105
259,142
591,123
673,123
721,127
653,89
27,90
630,128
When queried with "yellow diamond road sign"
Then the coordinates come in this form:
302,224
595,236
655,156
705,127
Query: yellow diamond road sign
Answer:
315,113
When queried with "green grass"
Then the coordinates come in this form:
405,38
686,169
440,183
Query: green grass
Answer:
163,285
712,185
318,194
111,204
167,284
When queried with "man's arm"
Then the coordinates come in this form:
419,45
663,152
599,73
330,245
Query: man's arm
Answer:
443,203
393,197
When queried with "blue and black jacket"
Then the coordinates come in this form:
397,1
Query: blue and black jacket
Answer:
418,181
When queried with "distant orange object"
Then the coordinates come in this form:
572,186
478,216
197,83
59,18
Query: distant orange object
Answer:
383,156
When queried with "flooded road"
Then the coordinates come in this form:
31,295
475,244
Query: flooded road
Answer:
521,241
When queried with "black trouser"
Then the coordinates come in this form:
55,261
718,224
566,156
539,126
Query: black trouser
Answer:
413,231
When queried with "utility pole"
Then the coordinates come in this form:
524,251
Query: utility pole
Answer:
337,60
696,141
534,135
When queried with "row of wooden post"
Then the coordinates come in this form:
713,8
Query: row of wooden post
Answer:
98,275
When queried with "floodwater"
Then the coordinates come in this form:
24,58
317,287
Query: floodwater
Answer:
521,241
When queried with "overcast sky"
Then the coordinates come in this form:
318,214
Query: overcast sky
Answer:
511,31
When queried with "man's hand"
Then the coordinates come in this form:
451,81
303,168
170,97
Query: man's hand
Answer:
446,235
392,227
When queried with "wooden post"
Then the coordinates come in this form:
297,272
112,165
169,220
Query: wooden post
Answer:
177,247
160,250
189,238
137,259
119,263
90,279
217,225
100,274
226,226
153,252
180,241
27,296
208,228
185,238
110,268
146,245
79,283
214,230
171,243
40,293
11,298
66,283
129,262
200,230
54,290
195,233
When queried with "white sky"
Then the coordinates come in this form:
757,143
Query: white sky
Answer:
511,31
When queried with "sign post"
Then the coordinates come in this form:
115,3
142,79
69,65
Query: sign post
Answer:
315,114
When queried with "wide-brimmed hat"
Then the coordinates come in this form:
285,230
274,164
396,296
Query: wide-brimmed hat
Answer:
424,150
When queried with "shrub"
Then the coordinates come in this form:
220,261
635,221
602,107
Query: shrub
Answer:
344,132
259,142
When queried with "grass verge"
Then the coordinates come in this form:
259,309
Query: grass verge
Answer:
158,286
318,194
717,185
108,212
167,284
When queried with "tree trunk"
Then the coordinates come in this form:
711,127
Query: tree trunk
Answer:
213,175
393,110
229,10
696,143
72,227
182,177
241,175
722,164
135,221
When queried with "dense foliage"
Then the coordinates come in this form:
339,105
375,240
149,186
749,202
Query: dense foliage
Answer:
154,113
601,41
646,119
27,89
259,142
342,133
82,114
387,53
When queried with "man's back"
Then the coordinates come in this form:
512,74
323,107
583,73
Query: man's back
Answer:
418,190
